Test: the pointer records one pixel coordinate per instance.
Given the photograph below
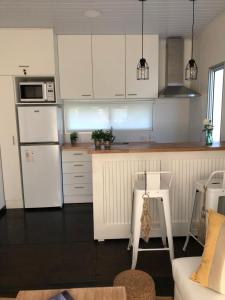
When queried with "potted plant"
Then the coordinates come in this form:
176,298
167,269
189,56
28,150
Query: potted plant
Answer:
97,136
108,139
73,137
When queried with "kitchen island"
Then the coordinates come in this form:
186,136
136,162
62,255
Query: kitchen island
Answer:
113,179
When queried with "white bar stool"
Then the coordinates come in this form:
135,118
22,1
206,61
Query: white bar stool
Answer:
211,190
154,185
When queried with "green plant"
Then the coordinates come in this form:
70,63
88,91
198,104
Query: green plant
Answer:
108,136
97,135
73,136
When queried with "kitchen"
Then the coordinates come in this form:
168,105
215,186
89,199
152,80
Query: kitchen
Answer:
93,73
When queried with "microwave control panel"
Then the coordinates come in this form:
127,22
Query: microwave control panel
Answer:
50,91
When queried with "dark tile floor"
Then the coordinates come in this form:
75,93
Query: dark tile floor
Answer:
52,248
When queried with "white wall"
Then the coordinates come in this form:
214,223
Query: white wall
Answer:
210,50
171,120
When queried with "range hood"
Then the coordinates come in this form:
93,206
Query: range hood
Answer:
175,71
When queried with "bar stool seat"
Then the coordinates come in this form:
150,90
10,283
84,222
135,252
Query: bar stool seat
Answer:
210,189
155,185
139,285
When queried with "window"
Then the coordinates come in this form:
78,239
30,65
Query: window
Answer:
86,116
215,97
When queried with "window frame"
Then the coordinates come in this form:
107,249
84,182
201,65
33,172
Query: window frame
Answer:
211,85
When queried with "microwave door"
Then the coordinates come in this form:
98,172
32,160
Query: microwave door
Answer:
32,92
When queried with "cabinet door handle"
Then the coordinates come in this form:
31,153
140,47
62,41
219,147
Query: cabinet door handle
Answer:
24,69
79,187
78,165
118,95
132,94
77,153
86,95
78,176
13,140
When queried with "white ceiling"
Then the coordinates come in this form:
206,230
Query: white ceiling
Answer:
165,17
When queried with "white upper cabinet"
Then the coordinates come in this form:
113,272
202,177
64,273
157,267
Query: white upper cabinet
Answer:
9,144
104,66
108,66
142,88
28,51
75,66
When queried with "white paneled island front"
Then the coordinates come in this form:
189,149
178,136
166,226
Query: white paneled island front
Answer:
113,182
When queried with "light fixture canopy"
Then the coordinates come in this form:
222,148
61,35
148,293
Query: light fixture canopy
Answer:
191,70
142,67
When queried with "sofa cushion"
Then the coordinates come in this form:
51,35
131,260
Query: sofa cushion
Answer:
211,272
189,290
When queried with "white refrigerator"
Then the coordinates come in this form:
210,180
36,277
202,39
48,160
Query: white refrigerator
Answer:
39,132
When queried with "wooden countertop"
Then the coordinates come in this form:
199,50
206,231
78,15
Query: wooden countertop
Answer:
146,147
109,293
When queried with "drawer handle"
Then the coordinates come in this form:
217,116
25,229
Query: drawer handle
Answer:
132,94
21,66
78,165
86,95
118,95
77,153
79,187
78,176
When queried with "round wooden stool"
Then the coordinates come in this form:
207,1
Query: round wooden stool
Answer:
139,285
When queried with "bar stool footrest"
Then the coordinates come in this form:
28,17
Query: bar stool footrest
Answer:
153,249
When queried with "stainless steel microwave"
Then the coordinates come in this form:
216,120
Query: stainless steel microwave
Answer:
32,92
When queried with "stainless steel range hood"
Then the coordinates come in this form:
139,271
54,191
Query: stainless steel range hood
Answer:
175,71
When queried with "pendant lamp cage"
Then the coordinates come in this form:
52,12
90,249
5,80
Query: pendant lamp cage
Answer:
142,67
191,70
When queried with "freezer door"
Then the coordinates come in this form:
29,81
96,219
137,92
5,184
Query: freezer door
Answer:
38,124
42,176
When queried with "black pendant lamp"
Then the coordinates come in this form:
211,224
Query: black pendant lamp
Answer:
191,70
142,67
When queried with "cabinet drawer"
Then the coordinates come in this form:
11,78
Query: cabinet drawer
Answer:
77,167
75,156
77,189
77,178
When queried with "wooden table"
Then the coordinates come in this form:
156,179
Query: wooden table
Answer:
102,293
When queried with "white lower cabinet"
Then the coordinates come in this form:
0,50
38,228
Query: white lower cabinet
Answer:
77,176
9,145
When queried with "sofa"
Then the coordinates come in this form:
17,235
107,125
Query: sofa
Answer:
184,287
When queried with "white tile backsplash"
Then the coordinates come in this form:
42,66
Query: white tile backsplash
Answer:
121,136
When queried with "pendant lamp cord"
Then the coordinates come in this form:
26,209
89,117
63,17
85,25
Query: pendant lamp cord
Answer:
142,28
193,24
